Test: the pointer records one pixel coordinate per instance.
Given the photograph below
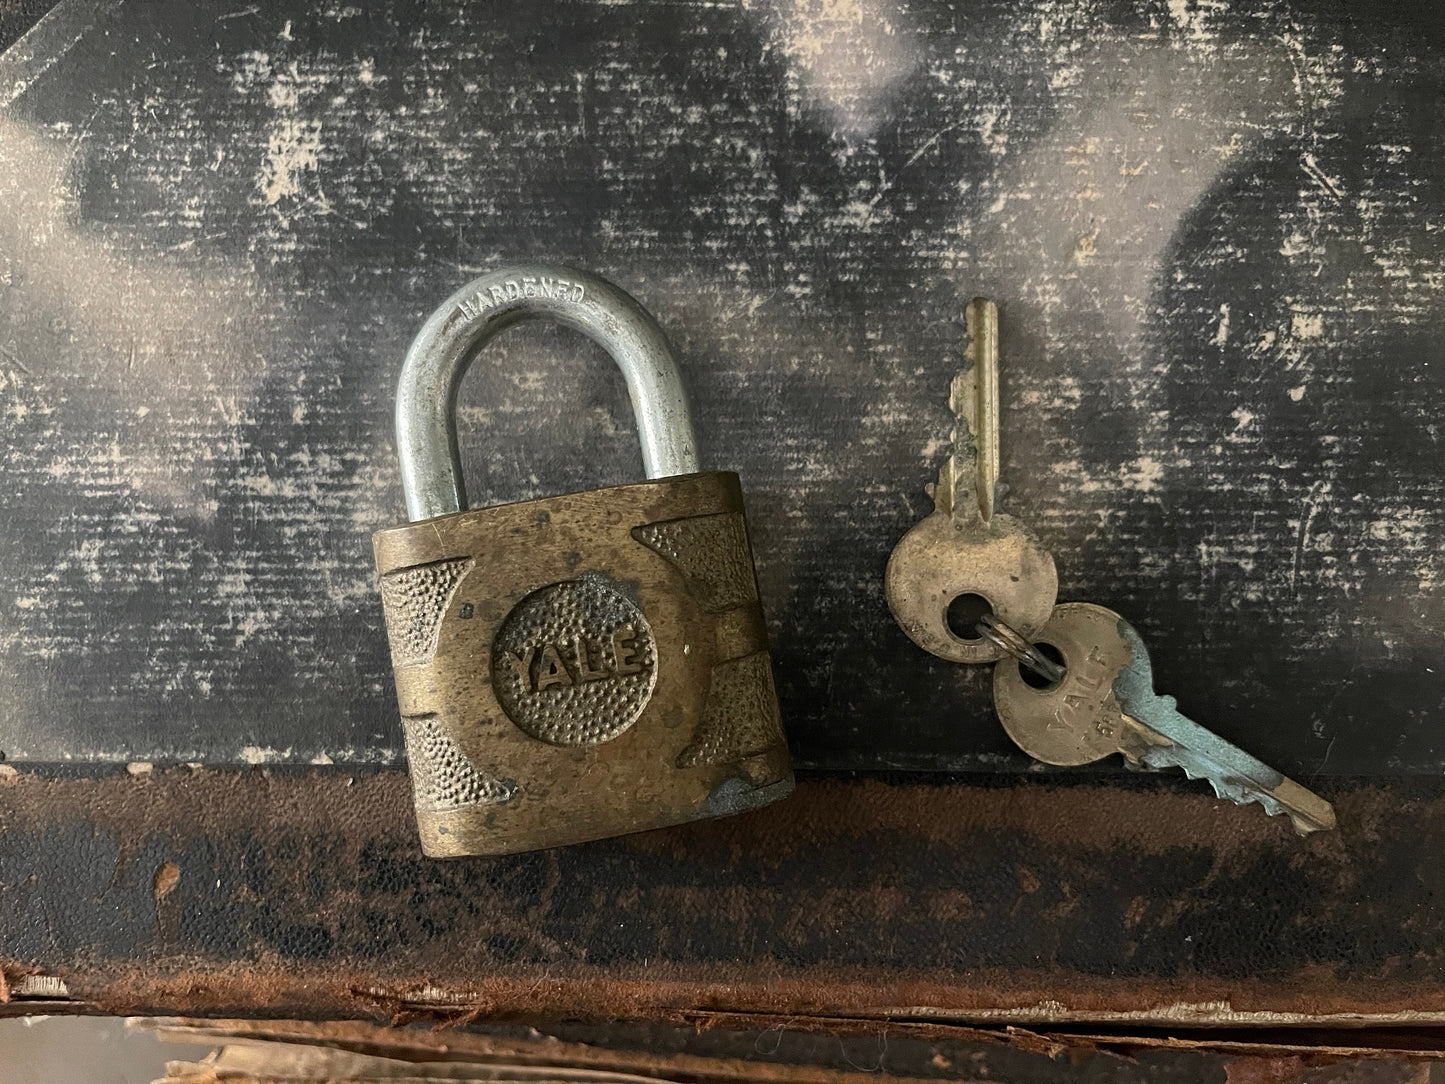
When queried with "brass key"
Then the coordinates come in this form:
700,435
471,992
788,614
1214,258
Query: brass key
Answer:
1105,703
965,560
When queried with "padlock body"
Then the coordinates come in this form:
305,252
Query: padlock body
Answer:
582,666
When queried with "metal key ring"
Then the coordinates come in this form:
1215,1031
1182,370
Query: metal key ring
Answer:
1007,639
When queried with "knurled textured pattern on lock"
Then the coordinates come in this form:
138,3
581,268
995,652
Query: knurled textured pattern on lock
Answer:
712,554
443,778
741,716
414,600
574,663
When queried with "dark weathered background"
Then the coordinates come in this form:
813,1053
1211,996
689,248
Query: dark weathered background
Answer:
1218,236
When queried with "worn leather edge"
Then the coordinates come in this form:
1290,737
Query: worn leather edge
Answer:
205,892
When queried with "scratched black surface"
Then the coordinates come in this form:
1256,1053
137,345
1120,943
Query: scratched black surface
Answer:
1218,237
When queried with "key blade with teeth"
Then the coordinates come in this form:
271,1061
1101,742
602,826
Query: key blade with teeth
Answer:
1202,754
968,480
966,558
1307,811
1105,703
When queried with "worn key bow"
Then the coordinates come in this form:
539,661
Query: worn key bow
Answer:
1105,703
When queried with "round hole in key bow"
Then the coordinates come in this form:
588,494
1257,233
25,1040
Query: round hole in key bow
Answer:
1032,677
964,614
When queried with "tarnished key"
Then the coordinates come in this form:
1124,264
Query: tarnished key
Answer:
1105,703
964,560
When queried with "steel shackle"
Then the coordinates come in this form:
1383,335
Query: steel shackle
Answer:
439,356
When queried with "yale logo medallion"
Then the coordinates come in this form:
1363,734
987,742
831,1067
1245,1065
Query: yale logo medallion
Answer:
574,663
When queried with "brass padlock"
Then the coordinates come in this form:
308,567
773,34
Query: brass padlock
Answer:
580,666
